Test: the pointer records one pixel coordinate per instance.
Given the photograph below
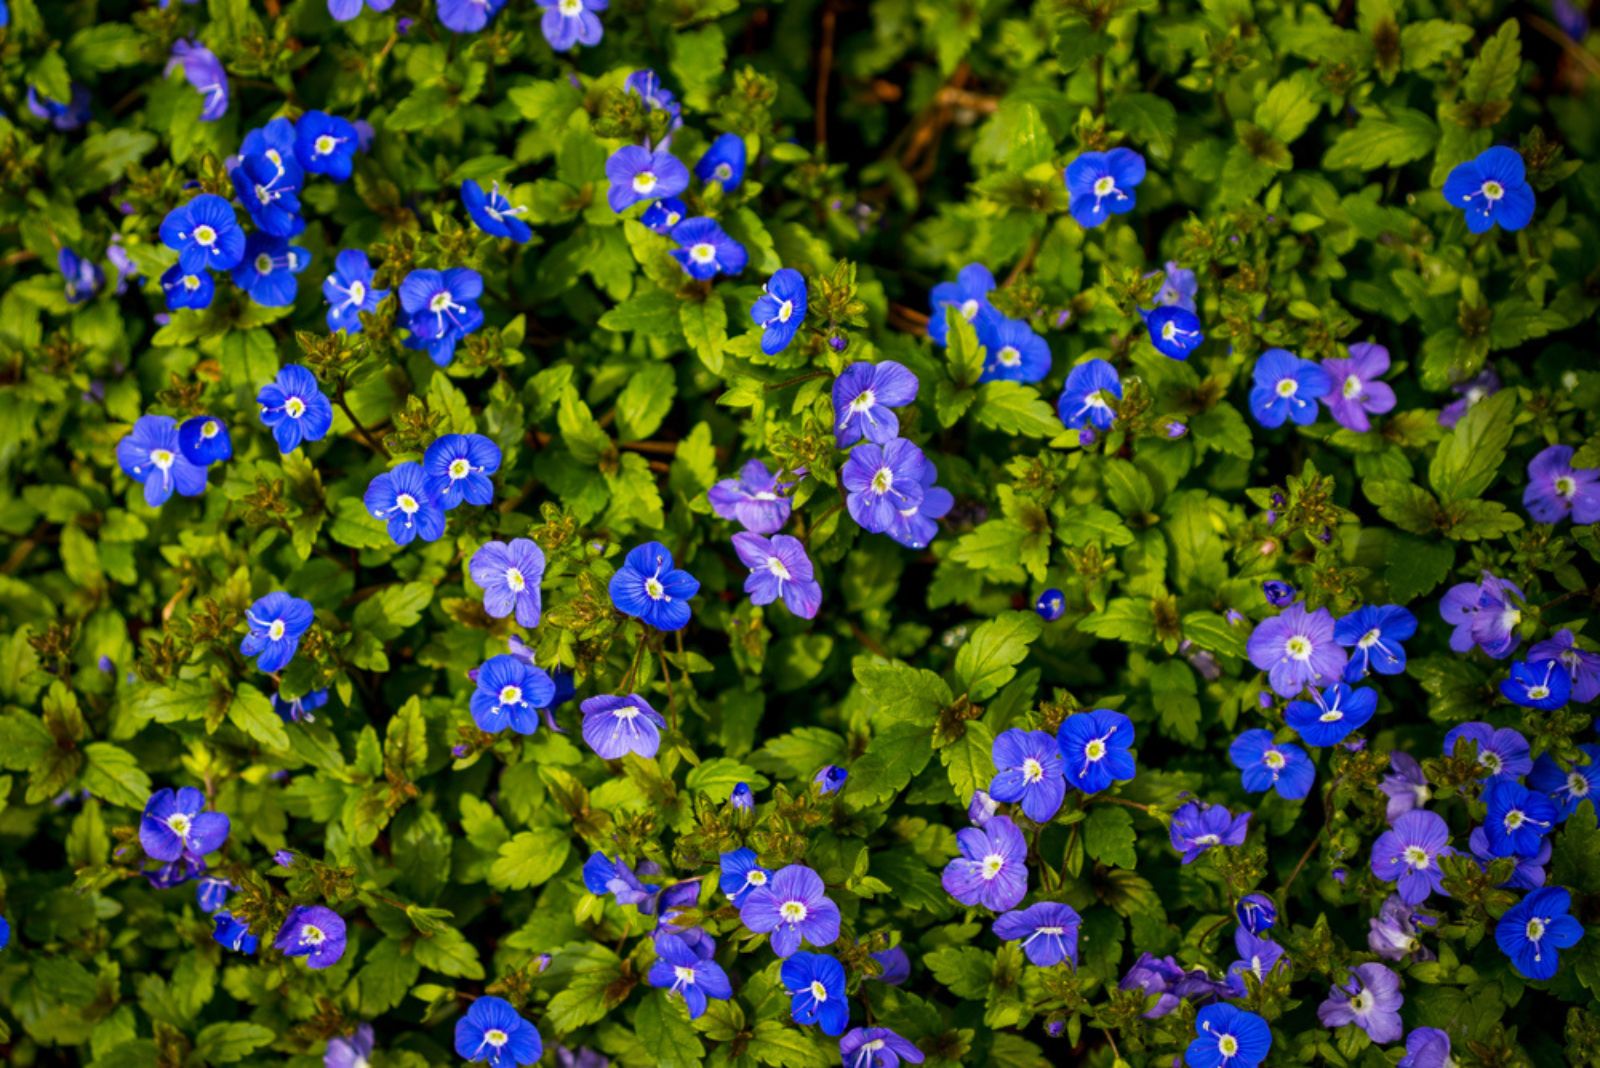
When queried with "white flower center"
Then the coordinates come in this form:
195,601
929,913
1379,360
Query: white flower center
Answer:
1332,715
704,252
819,991
992,865
1577,785
756,877
312,935
1535,929
263,264
723,171
1009,356
1566,486
793,911
684,973
277,630
511,695
644,182
459,468
883,481
1298,647
1515,819
407,504
653,589
1417,857
496,1037
358,292
205,236
571,8
1032,770
439,302
325,144
1538,693
969,309
777,567
1370,638
294,407
191,282
1228,1046
1095,750
626,712
515,580
1287,387
209,428
785,310
162,458
1273,759
1104,186
1352,387
864,400
179,824
1492,190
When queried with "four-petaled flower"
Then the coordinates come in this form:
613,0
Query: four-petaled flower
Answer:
1101,184
1375,634
779,568
469,16
1174,331
205,72
649,587
794,905
756,500
638,174
723,162
877,1047
276,623
968,295
1228,1037
510,691
441,308
1502,752
1535,928
205,233
1297,649
152,455
314,932
1086,398
1370,999
1517,820
401,498
349,291
993,867
175,824
1048,930
1355,392
616,725
704,249
815,983
509,575
1544,686
680,969
1267,765
882,482
1557,490
742,874
1408,855
1286,388
1095,749
1197,827
458,467
780,310
1332,714
492,1032
1491,189
325,144
863,397
571,22
493,213
1567,789
1028,769
294,409
1582,667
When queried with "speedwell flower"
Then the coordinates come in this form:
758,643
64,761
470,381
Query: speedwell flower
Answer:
1197,827
204,440
349,291
1101,185
1286,388
1028,770
1408,854
509,575
276,623
779,568
1297,649
993,867
1267,765
815,983
1174,331
638,174
1014,353
881,482
1096,749
1557,490
401,497
458,467
794,905
1087,396
1491,189
969,295
314,932
175,824
294,409
492,1032
723,162
1331,714
1535,928
1355,391
863,397
205,233
1370,999
616,725
1048,931
649,587
756,500
152,455
680,970
571,22
325,144
493,213
441,309
510,693
780,310
704,250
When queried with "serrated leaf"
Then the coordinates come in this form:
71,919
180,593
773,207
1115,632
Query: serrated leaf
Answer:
532,858
989,658
251,711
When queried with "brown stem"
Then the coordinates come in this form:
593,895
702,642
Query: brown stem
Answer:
824,71
344,406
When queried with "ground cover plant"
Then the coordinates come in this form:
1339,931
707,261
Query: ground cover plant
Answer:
866,532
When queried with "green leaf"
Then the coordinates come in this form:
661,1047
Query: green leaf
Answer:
1211,631
963,351
969,760
1480,520
447,952
965,970
651,312
1407,506
251,711
1198,560
532,858
663,1026
1108,836
1014,408
1493,74
405,743
718,776
1128,487
424,109
899,693
113,774
1290,106
1425,43
705,325
1173,692
1149,119
1469,458
645,401
586,977
386,976
1381,140
1415,567
988,660
1123,619
893,758
224,1043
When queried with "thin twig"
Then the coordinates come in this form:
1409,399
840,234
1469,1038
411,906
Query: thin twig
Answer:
344,406
824,71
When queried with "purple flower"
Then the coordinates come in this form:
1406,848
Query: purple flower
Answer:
1267,765
1101,184
175,825
1393,932
830,779
344,11
1427,1047
647,586
756,500
1086,398
1529,871
267,272
793,906
704,249
509,575
1096,749
601,875
1543,686
1015,353
1157,976
469,16
616,725
1286,388
353,1050
896,966
1331,715
571,22
1258,956
882,482
742,799
1028,764
1502,752
1371,1000
232,934
1297,649
127,270
993,867
326,144
680,970
1375,633
982,808
299,708
779,567
211,894
1567,789
1279,594
876,1047
1405,786
1582,666
1179,287
915,527
638,174
815,984
1257,914
862,398
1484,384
83,276
401,498
969,295
1409,852
152,454
1492,188
1048,930
742,874
1557,490
662,215
314,932
1197,827
1517,820
510,691
1356,391
656,96
69,116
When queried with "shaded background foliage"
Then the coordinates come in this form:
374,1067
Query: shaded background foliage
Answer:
1295,155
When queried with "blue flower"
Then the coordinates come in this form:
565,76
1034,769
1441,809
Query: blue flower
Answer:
152,454
1503,753
1101,184
1375,634
916,527
969,294
468,16
648,587
638,174
1014,352
1028,766
231,933
815,983
1535,928
862,398
1178,287
1493,188
1091,387
187,290
299,708
83,276
1051,605
780,310
493,213
1330,716
442,309
1048,930
1266,765
992,869
1286,387
602,875
325,144
830,779
276,623
269,189
349,291
1540,686
723,162
1257,913
175,824
458,467
896,966
205,233
704,250
491,1031
403,499
267,271
779,569
883,481
1095,749
877,1047
741,873
656,96
664,214
69,116
1198,827
1517,820
345,10
614,726
1567,789
211,893
275,141
510,691
204,440
571,22
1228,1037
681,969
353,1050
1279,594
742,799
1174,331
294,409
509,575
204,71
